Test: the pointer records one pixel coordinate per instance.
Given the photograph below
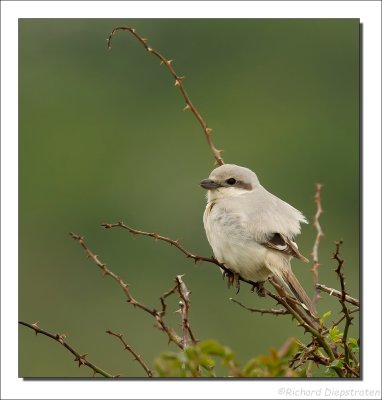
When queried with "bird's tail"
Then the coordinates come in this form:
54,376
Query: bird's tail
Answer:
298,291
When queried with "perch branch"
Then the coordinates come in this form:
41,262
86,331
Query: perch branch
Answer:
181,248
291,305
60,338
320,233
137,356
172,336
188,254
172,242
178,82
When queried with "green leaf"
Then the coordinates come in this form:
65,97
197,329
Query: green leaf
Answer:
353,345
191,353
334,334
325,316
212,347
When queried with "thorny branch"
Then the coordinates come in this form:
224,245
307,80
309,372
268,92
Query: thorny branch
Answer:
184,304
283,298
261,310
177,244
60,338
337,293
158,316
309,326
320,233
137,356
345,310
180,287
178,82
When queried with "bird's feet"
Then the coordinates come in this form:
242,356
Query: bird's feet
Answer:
259,287
232,279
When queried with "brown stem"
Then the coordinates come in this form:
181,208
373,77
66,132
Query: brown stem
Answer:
137,356
178,82
345,310
184,304
60,338
172,336
337,293
320,233
261,310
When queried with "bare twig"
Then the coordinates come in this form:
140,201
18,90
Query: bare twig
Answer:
184,304
172,336
178,82
336,293
164,296
345,310
137,356
180,247
60,338
320,233
172,242
262,310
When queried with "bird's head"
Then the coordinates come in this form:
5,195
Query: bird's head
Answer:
229,180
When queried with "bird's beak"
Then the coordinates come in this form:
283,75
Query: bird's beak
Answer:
209,184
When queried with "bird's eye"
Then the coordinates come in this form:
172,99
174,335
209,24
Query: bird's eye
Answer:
231,181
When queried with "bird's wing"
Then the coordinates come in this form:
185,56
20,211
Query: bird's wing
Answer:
281,243
267,215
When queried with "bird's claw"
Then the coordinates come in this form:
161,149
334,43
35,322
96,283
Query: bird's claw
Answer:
259,287
233,279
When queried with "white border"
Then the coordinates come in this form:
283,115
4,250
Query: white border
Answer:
369,13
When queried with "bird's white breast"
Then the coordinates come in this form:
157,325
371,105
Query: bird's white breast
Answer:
232,243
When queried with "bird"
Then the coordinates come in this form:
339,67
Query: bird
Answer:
250,230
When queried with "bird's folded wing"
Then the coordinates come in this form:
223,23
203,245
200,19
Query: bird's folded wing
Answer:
281,243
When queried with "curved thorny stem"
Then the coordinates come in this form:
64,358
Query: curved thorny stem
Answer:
320,234
178,82
61,338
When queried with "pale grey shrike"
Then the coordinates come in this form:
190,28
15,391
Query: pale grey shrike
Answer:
250,230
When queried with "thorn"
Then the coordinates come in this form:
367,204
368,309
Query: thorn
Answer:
149,49
61,338
35,325
168,62
187,107
81,359
208,131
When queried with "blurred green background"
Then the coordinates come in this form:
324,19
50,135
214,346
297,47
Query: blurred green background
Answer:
103,138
